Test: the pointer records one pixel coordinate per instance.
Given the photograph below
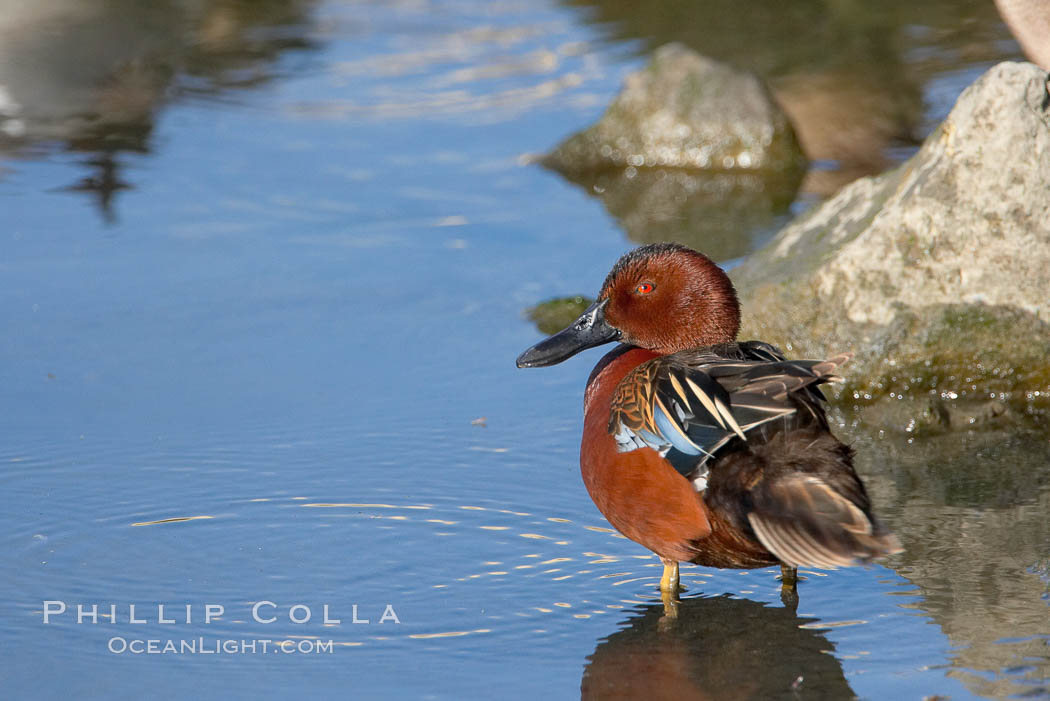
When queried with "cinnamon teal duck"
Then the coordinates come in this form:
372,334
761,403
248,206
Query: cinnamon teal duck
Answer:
704,449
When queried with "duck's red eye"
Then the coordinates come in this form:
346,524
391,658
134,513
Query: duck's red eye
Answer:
645,288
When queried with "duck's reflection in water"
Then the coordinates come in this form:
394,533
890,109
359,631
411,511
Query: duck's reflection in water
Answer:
714,648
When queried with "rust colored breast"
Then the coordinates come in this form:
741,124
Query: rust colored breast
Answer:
637,491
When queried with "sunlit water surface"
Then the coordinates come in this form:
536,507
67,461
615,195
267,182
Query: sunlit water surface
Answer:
261,317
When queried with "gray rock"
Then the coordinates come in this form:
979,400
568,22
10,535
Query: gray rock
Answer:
691,150
936,274
685,111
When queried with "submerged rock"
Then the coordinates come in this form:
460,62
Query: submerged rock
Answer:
553,315
936,274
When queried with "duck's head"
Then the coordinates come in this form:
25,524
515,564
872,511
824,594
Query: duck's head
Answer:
663,297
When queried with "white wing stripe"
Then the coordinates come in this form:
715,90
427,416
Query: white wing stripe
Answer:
706,401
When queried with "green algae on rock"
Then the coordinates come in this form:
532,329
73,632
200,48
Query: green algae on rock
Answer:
555,314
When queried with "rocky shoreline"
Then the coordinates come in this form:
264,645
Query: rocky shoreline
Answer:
936,274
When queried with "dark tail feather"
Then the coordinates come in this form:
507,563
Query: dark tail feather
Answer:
804,522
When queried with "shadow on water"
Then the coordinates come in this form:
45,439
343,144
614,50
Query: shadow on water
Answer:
716,648
971,512
91,78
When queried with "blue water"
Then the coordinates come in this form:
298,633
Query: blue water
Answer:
293,333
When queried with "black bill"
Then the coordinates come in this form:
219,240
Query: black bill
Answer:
588,331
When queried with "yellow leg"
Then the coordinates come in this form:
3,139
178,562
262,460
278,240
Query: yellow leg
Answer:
669,581
669,594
